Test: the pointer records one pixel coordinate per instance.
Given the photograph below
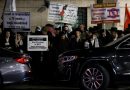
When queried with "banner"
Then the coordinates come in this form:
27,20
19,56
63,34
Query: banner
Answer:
62,13
37,43
107,12
17,20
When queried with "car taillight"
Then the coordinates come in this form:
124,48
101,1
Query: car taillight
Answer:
24,59
21,60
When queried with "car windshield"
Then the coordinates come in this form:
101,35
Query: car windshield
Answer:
113,42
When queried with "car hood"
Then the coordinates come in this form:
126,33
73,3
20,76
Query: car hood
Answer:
9,53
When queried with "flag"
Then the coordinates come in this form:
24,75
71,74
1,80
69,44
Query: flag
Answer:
62,14
127,17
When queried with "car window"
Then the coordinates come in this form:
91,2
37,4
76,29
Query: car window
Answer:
125,44
118,40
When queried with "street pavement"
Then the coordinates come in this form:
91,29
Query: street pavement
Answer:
48,87
53,86
40,86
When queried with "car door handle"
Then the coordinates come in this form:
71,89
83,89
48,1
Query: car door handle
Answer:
121,56
129,55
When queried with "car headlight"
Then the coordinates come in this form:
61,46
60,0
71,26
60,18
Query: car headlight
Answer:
67,58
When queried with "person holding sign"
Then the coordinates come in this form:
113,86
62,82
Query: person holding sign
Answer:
19,43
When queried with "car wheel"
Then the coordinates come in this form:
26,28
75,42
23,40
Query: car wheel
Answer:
94,77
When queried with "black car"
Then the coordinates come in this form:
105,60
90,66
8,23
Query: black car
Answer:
96,68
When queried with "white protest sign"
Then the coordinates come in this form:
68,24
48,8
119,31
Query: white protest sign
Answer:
69,13
37,43
17,20
54,12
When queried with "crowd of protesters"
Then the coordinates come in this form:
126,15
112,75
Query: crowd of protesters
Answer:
63,39
60,40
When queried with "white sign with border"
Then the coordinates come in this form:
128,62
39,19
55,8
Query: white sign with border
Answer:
69,16
17,20
37,43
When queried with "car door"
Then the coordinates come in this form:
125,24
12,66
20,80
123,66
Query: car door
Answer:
123,56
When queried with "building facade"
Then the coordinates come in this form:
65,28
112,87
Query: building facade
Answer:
39,12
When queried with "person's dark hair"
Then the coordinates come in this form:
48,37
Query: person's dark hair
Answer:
114,29
49,25
58,29
90,29
77,29
7,30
